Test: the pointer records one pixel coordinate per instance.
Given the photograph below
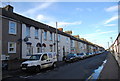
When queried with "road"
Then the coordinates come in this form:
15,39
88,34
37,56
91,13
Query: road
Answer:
78,70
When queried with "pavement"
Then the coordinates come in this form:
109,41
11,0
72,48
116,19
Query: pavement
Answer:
111,70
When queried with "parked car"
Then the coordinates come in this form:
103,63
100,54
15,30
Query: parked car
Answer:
92,54
80,55
87,54
39,61
71,58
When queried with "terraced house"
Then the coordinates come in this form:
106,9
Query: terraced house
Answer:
22,37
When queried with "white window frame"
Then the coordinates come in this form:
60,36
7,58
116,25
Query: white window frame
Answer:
51,48
67,40
11,47
10,27
58,37
27,32
51,37
45,35
36,33
29,50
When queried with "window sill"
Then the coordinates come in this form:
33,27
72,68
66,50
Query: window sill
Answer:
12,52
28,36
12,34
45,39
36,38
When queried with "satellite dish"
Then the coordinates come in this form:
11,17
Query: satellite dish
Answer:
26,39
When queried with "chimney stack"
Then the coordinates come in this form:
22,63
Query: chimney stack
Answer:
60,29
68,32
8,8
77,36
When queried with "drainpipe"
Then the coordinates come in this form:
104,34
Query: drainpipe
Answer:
56,41
41,40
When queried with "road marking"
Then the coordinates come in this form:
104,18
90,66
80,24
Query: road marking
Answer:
92,75
89,77
25,76
38,73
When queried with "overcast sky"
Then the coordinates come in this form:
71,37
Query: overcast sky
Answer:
94,21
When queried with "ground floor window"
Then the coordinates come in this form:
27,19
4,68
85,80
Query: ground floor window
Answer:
29,49
11,47
51,47
38,49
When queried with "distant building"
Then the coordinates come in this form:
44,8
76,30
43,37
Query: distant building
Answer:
115,49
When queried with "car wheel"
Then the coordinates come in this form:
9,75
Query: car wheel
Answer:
38,69
54,65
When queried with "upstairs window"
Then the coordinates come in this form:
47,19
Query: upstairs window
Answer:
45,35
51,36
36,33
12,27
27,31
58,37
66,40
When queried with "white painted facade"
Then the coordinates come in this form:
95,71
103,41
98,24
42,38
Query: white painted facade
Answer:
73,49
0,46
31,39
63,44
81,47
0,36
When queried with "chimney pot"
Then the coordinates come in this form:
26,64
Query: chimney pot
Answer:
8,8
60,29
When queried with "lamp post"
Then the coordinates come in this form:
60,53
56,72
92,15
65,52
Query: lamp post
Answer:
111,44
56,41
108,46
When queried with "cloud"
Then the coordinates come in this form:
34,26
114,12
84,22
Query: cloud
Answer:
69,23
79,9
89,9
51,21
110,25
40,7
98,30
63,24
99,38
111,19
96,35
112,8
44,18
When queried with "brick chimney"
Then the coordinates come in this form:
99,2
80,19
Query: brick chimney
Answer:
77,36
8,8
60,29
68,32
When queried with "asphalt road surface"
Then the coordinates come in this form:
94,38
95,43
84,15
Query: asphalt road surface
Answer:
81,69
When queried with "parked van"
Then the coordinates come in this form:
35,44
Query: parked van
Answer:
39,61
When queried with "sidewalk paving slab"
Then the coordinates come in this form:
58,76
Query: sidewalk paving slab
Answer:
111,70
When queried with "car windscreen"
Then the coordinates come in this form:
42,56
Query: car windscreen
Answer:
35,57
81,54
71,55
